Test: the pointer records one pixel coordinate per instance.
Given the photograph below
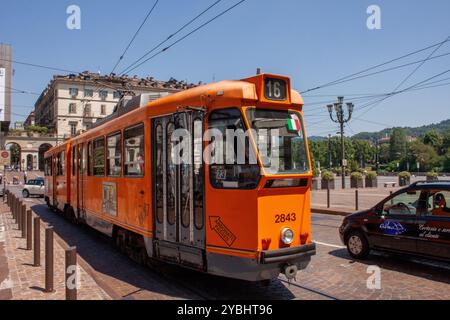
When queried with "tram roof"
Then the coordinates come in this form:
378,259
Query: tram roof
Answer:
210,96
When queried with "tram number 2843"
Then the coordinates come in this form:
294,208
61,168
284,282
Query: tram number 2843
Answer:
281,218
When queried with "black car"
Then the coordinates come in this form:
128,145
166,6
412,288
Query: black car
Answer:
414,220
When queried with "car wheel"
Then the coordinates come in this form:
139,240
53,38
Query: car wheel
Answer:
357,245
25,194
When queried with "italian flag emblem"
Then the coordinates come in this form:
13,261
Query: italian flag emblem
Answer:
294,124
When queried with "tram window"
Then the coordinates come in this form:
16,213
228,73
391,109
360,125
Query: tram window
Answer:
73,160
89,158
48,167
134,151
198,173
159,174
83,159
226,169
62,163
171,175
114,155
80,159
99,157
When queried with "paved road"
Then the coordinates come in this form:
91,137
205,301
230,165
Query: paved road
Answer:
332,274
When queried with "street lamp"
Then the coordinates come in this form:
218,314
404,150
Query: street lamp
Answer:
341,119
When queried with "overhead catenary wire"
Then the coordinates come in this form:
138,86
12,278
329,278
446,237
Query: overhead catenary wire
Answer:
375,67
39,66
170,36
187,35
408,76
134,36
391,69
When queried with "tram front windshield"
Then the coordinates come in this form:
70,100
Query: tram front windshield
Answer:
280,139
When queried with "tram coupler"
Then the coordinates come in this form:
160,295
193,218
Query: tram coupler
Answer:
290,271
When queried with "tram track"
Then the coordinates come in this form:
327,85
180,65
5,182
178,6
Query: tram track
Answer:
315,291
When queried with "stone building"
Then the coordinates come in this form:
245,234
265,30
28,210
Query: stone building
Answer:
73,103
5,90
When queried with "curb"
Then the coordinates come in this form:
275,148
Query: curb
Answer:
330,211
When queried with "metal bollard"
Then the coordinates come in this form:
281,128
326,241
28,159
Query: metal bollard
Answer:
19,215
71,273
37,242
13,207
328,198
356,200
49,259
23,219
29,231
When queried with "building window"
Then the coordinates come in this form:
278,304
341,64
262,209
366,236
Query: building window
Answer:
134,151
99,157
87,110
117,95
103,109
114,155
73,128
88,93
103,94
73,92
72,108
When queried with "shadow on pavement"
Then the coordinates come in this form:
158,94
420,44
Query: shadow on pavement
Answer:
418,267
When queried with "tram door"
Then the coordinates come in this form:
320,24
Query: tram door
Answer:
178,179
54,174
81,167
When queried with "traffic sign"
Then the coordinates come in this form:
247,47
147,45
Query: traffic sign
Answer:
5,158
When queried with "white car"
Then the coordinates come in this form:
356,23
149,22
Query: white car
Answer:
34,187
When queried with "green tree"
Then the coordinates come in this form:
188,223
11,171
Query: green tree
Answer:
434,139
15,154
426,155
446,164
397,146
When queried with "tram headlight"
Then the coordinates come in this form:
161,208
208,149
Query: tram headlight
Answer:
287,235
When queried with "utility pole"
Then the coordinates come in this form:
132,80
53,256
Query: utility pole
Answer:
341,119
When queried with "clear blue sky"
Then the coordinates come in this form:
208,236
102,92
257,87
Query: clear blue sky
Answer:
311,41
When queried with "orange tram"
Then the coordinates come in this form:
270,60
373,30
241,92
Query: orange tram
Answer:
245,221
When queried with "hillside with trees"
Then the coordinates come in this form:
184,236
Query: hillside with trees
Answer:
442,127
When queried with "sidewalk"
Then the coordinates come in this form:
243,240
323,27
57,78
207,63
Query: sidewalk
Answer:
343,202
20,280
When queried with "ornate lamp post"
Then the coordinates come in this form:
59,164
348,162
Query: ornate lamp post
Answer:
341,119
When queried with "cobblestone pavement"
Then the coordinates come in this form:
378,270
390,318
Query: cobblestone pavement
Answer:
332,274
20,280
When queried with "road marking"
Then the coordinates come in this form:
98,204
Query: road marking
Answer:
6,284
2,233
329,245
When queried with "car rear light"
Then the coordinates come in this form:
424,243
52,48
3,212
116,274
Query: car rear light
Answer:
266,243
304,238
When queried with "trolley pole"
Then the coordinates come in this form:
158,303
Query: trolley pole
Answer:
341,119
